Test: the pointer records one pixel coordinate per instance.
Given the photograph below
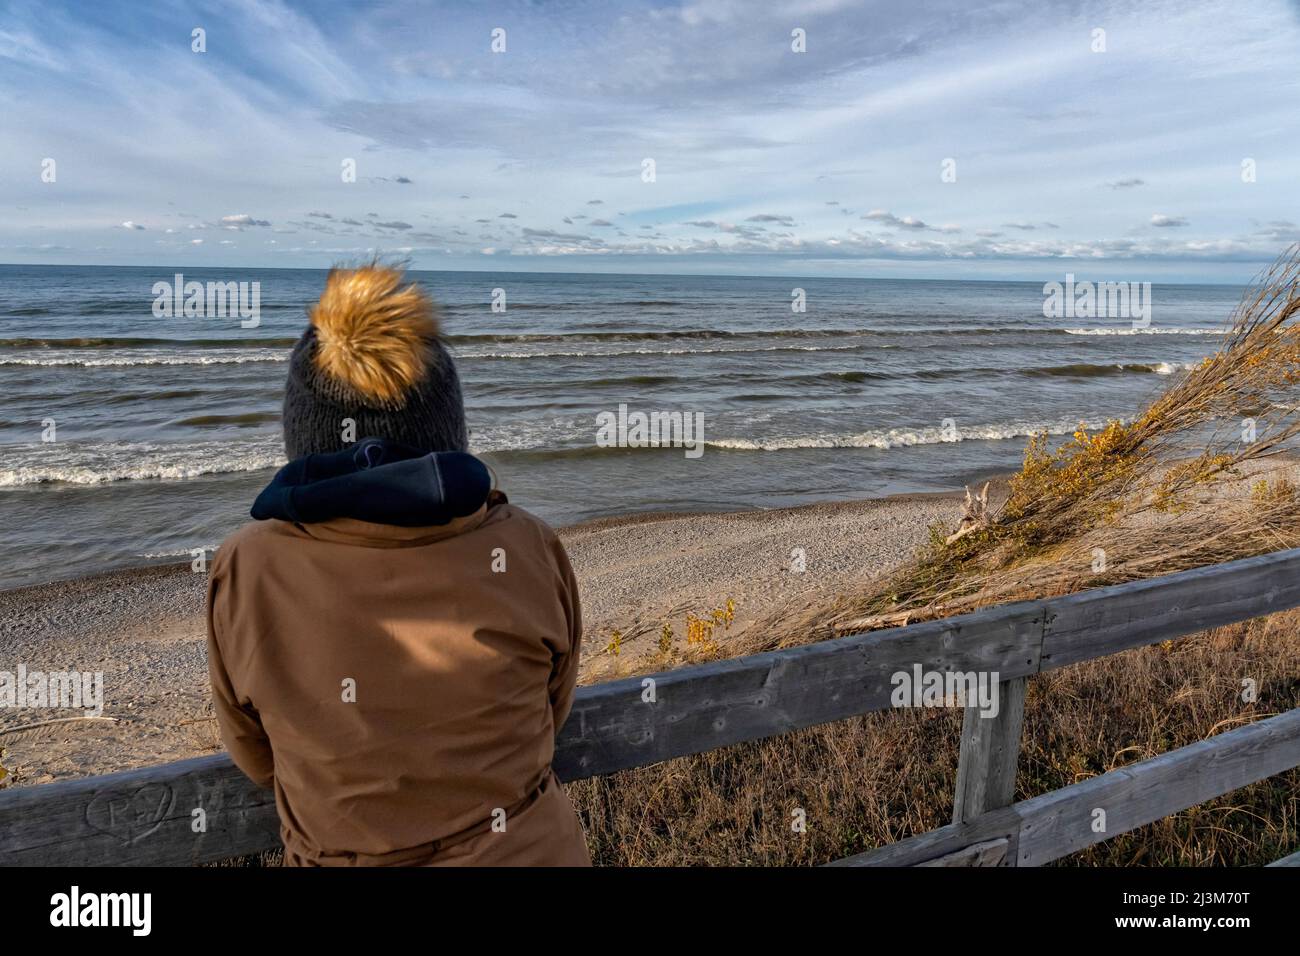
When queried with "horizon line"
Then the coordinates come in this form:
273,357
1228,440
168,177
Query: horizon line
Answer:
664,275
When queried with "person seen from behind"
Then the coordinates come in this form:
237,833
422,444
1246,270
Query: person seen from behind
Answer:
392,645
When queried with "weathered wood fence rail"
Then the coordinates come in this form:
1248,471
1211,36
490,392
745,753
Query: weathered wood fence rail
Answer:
143,817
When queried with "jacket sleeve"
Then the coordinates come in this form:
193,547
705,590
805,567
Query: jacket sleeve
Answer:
564,666
240,725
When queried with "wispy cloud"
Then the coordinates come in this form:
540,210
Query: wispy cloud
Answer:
764,158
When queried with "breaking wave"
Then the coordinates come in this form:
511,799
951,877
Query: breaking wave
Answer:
901,437
96,463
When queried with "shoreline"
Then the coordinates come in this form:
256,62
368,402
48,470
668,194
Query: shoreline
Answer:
625,519
144,627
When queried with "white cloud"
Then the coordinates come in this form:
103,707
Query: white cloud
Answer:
241,221
889,219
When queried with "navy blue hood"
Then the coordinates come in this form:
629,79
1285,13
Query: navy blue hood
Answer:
380,481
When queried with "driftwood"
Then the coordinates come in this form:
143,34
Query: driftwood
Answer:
976,517
875,622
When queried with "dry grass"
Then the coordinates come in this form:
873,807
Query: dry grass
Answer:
874,779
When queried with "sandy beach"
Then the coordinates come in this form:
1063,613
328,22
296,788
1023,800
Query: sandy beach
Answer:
144,628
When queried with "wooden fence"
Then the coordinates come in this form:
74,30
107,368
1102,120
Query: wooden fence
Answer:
143,817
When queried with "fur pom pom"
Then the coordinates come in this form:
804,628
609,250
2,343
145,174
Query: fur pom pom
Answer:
372,334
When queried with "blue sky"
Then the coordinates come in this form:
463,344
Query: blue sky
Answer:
1124,163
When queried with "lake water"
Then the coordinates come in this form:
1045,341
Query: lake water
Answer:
166,428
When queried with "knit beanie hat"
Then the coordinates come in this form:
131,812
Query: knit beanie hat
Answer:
372,355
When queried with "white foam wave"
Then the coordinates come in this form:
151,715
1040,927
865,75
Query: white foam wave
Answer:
89,464
902,437
181,553
478,354
1146,331
129,358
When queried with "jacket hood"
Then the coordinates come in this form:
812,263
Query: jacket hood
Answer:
379,481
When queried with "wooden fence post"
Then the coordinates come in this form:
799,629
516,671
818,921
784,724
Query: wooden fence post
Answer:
990,749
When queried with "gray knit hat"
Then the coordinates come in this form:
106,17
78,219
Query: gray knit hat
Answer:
372,364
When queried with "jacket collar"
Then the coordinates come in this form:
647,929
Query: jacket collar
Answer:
380,483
